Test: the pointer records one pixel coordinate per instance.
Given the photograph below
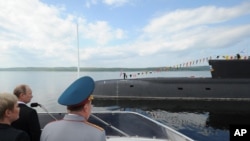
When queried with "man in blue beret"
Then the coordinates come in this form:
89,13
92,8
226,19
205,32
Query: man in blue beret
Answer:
74,126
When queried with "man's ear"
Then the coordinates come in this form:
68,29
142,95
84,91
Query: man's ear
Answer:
21,95
84,108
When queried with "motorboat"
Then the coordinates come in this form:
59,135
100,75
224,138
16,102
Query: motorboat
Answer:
125,126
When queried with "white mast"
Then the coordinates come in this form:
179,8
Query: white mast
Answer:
78,54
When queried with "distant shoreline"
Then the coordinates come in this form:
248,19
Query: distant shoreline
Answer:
194,68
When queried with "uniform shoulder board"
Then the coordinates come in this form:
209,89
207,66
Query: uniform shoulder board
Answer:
98,127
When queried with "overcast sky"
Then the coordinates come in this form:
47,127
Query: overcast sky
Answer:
120,33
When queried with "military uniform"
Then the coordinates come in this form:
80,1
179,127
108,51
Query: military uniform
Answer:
75,127
72,128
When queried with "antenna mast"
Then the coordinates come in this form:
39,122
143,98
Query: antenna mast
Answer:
78,54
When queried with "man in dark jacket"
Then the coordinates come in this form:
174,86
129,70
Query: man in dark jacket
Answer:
28,120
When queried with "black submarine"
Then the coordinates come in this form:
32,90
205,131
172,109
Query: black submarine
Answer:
228,88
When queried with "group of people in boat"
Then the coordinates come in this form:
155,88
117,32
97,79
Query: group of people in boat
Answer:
19,122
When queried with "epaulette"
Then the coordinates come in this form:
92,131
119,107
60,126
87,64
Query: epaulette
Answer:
98,127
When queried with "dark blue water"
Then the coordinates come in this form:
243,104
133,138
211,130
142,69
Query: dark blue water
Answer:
194,125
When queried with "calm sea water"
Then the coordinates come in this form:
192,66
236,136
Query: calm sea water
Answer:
47,87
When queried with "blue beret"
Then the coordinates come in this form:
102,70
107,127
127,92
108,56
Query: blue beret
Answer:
77,92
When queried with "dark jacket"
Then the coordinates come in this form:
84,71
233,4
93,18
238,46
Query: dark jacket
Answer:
8,133
28,121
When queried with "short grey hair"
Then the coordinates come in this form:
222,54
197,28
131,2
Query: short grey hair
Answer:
7,102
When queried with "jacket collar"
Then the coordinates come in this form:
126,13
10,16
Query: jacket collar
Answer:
74,117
